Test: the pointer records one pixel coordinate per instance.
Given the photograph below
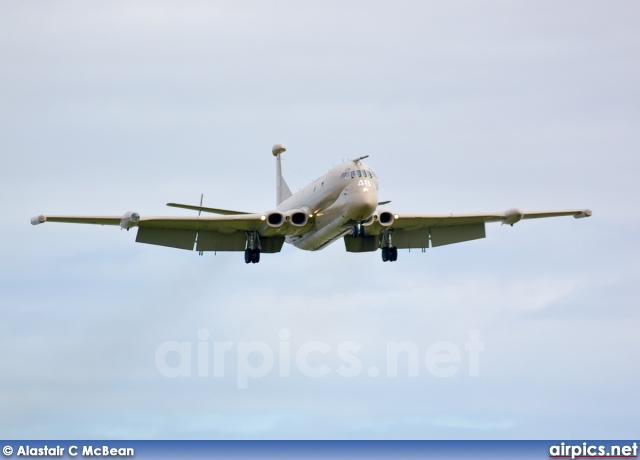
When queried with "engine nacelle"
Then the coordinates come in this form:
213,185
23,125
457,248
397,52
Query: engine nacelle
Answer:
384,218
297,217
512,216
129,220
273,219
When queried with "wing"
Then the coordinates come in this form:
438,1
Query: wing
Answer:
209,233
431,230
97,220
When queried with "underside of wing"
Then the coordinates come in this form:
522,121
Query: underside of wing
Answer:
233,232
218,233
411,231
510,217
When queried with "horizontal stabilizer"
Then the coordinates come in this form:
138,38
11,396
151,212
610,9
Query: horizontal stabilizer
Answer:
224,212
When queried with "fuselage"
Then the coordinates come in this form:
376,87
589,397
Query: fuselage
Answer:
346,195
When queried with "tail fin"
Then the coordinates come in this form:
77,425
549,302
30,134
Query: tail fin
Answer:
282,189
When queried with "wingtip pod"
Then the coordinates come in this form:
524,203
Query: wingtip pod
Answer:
129,220
585,213
37,220
511,216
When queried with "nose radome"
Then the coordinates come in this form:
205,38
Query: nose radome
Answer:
362,205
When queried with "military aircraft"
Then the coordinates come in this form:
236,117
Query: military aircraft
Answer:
341,204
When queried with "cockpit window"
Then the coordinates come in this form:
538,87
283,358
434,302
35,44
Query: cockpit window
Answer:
353,174
370,175
359,173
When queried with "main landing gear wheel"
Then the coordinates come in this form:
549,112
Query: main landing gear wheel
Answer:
389,254
251,256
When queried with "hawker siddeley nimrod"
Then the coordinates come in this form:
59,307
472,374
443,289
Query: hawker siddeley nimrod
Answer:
341,204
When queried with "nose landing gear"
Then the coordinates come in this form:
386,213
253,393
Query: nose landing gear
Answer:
358,231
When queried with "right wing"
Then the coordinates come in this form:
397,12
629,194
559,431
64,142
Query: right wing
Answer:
209,233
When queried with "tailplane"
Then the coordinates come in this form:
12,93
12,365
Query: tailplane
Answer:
282,189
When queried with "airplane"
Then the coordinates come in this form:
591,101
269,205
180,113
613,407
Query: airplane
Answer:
343,203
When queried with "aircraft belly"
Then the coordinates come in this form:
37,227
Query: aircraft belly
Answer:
329,226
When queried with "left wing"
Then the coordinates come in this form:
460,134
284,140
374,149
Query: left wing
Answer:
412,231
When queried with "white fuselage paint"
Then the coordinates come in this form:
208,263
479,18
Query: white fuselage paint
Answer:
336,203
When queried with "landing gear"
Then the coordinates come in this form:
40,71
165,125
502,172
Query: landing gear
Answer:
358,231
389,251
390,254
252,253
252,256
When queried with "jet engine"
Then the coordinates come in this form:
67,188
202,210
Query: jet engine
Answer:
297,217
384,218
273,219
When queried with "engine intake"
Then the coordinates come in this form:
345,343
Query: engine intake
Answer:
297,217
274,219
386,218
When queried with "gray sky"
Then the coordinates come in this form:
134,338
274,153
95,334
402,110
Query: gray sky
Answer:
115,106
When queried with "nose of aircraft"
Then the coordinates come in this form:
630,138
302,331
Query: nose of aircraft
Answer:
362,204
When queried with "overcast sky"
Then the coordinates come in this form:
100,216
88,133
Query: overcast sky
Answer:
114,106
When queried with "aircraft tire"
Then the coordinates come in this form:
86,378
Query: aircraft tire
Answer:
385,254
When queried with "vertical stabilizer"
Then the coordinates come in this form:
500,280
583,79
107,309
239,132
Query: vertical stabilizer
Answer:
282,189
